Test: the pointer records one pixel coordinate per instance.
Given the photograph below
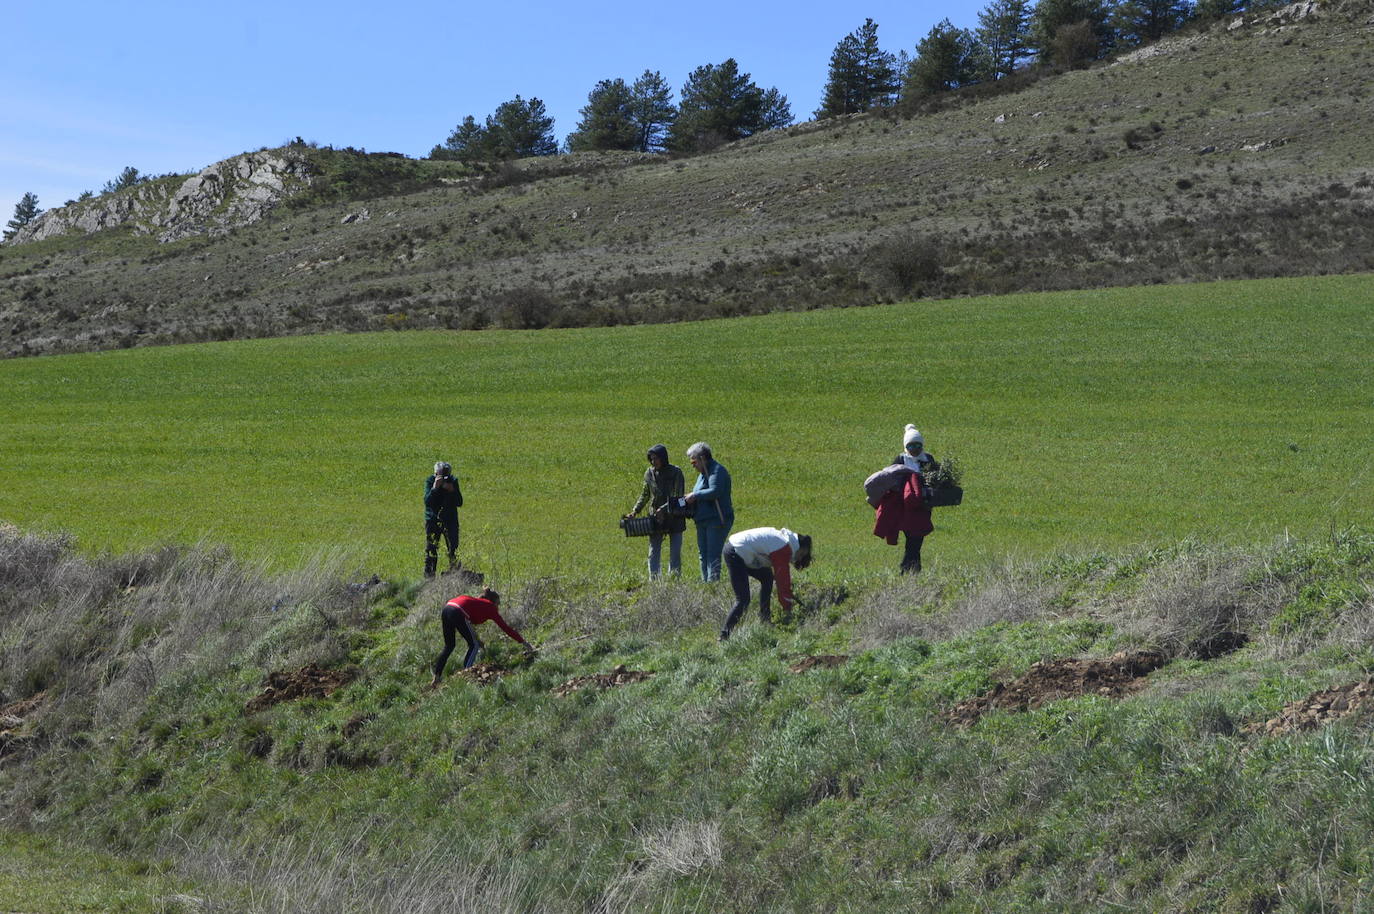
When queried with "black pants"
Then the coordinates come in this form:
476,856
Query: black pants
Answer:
740,574
434,529
911,556
454,620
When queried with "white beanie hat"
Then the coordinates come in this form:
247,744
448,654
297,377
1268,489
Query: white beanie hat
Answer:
912,435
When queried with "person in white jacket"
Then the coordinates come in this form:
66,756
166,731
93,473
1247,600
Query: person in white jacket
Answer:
765,553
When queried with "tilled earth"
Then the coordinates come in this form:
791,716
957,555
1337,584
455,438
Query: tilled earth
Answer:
482,673
13,718
823,661
617,677
1117,676
1318,709
310,681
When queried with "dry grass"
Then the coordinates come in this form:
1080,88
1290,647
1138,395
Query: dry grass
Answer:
295,877
916,607
102,634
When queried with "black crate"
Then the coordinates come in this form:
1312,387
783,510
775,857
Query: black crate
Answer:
638,526
946,497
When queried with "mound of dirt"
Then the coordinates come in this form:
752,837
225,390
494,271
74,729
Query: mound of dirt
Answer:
310,681
1115,677
827,661
617,677
14,716
482,673
1318,709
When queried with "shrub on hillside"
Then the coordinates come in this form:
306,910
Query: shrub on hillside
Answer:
908,266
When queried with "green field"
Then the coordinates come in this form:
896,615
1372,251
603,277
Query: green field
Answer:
1230,411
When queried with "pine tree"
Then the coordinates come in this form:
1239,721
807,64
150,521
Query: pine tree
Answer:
1217,9
720,104
1004,29
25,211
1139,22
862,76
607,119
520,128
1052,15
774,111
127,178
652,110
467,143
843,87
946,58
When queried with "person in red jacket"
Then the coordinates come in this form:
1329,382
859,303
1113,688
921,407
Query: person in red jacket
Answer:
904,509
460,615
902,499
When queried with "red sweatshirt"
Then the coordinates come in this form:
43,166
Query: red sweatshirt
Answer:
902,510
478,611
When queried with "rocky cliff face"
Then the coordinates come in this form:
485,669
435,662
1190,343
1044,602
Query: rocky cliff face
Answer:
237,191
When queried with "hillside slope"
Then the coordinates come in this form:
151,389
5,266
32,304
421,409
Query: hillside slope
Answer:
1235,152
1176,729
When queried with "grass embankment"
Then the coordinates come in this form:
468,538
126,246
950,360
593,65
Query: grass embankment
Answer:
725,781
1231,412
40,875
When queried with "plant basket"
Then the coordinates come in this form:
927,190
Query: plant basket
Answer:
946,496
638,526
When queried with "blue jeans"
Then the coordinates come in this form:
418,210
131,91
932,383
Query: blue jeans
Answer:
710,542
674,552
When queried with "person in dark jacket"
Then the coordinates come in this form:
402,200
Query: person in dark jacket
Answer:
460,615
662,481
715,512
443,498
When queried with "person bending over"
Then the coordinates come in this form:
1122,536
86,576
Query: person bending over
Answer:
763,553
460,615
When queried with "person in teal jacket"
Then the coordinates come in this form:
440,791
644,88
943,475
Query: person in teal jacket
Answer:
714,513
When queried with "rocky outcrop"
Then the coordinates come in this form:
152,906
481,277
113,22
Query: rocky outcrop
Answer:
228,194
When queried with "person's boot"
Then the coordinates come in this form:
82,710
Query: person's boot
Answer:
454,566
431,563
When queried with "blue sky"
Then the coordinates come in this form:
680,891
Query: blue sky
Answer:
87,88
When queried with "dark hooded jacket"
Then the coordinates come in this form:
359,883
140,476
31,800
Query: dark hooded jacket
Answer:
661,485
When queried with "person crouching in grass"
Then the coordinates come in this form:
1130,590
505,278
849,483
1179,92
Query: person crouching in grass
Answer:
460,615
763,553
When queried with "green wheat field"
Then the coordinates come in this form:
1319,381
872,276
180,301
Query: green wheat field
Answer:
1231,411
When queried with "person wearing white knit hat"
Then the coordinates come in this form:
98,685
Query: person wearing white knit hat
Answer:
915,456
905,507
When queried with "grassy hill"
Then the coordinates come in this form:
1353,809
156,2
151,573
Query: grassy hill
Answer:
1230,412
1229,153
1133,674
1162,741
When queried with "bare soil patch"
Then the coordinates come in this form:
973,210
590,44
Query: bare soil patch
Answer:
310,681
1117,676
617,677
14,716
825,661
482,673
1318,709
